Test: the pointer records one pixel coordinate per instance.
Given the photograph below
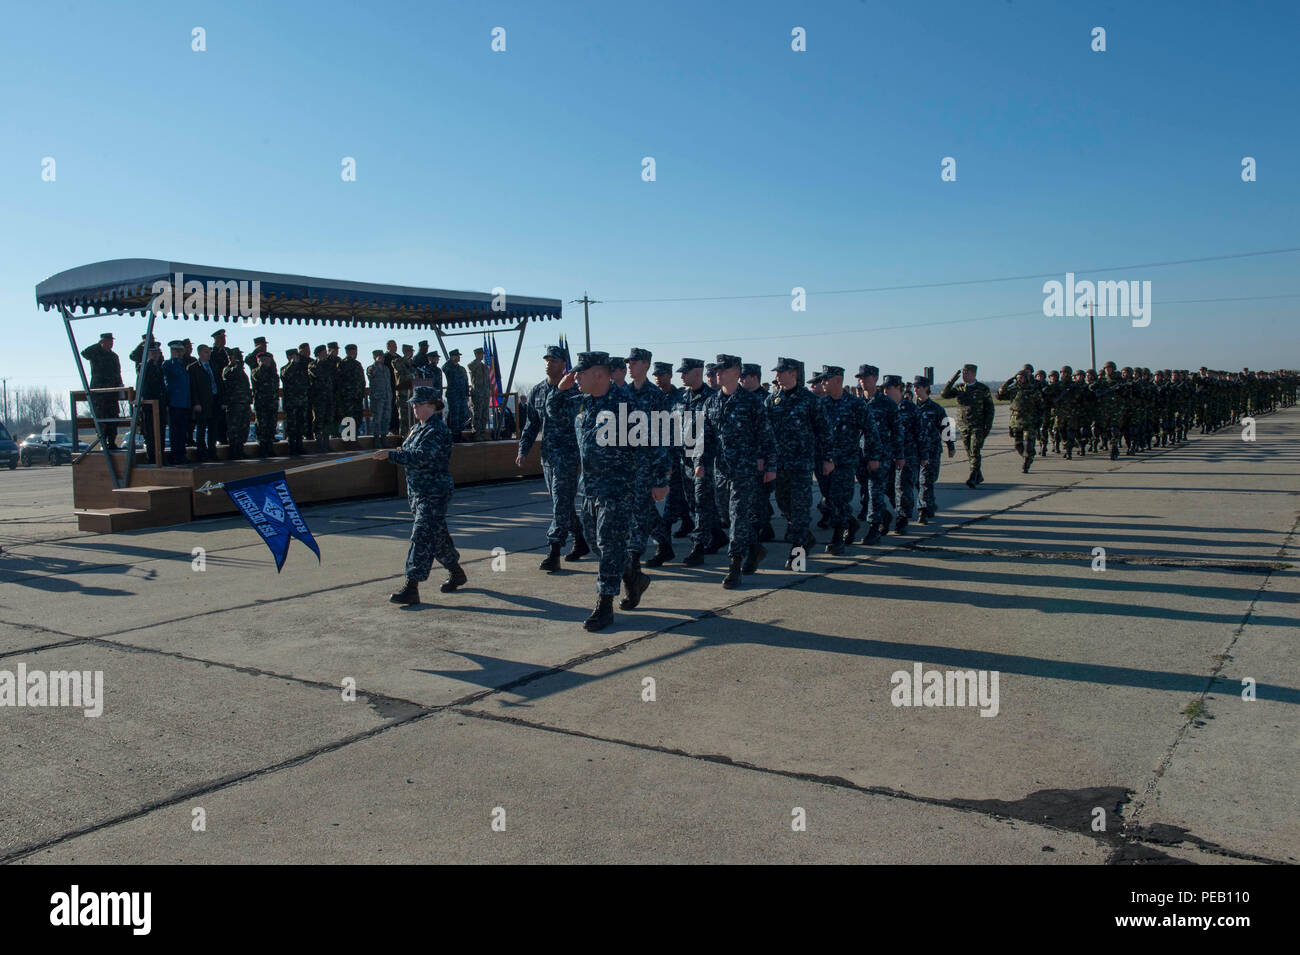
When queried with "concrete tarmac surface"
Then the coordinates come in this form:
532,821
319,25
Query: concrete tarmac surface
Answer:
752,725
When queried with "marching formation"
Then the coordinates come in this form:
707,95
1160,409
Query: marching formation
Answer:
757,441
211,396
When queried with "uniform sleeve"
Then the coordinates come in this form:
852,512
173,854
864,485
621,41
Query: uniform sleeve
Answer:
766,439
706,442
872,448
821,430
532,423
899,441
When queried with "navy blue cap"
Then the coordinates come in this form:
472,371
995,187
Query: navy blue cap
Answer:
616,363
592,359
638,354
728,361
831,371
690,363
868,371
786,364
422,393
663,368
749,368
555,351
920,381
893,381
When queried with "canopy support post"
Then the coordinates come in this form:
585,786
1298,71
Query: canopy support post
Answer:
518,345
85,384
135,405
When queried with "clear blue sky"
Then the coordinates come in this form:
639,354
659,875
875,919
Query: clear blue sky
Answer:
775,169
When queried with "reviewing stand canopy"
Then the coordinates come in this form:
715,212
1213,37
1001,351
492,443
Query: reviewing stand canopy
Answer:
126,287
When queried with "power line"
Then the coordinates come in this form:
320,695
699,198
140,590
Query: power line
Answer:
954,321
928,285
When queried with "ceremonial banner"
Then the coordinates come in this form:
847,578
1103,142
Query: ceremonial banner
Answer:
266,502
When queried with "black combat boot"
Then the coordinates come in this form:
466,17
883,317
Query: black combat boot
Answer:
732,580
836,543
923,517
851,534
862,512
552,562
634,584
580,548
900,525
1024,465
756,553
410,594
602,616
663,554
1069,456
718,541
872,536
765,533
455,578
809,541
688,525
825,522
1114,452
695,557
971,482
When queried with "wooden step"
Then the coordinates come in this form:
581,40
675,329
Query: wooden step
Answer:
110,520
168,504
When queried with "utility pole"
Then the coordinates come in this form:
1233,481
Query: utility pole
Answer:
1092,339
586,315
4,411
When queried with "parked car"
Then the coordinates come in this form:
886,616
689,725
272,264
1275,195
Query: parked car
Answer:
58,449
8,449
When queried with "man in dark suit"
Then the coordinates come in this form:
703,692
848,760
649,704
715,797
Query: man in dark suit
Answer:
207,400
220,359
181,400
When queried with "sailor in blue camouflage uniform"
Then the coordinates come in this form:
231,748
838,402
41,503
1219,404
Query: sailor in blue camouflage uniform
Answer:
802,437
676,509
909,421
929,435
608,479
853,439
707,537
654,466
881,482
751,379
817,388
426,456
738,443
559,459
721,489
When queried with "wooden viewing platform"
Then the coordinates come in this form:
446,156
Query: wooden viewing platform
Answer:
158,496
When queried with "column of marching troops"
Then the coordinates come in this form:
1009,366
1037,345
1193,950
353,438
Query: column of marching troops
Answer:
212,395
773,440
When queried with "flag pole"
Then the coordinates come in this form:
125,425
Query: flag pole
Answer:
208,487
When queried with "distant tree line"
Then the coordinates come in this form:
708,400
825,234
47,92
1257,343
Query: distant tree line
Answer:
25,409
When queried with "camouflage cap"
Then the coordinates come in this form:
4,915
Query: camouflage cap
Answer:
786,364
421,394
1067,370
711,368
690,363
1028,369
920,381
893,381
332,345
663,368
592,359
971,367
816,378
617,363
832,371
291,353
868,371
320,350
454,353
555,352
728,361
750,368
638,354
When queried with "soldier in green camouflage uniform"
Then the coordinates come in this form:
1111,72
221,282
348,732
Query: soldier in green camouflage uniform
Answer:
320,377
1026,405
239,397
976,418
1070,399
266,402
351,389
105,372
297,408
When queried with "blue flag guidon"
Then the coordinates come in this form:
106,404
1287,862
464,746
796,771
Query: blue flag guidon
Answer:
266,502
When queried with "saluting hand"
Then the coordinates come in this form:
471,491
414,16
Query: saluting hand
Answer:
567,381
